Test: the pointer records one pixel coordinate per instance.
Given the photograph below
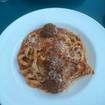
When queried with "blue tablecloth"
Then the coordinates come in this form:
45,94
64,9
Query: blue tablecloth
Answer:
11,10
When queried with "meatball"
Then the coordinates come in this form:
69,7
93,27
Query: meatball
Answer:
49,30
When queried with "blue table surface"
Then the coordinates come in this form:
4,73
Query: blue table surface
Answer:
13,9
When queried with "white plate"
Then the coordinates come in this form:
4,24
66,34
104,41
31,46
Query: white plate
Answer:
85,91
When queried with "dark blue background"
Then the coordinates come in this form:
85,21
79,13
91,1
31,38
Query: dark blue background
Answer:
13,9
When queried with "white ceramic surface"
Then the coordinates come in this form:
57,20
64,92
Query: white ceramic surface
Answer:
89,90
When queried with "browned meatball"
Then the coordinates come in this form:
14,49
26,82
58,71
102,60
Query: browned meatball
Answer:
49,30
